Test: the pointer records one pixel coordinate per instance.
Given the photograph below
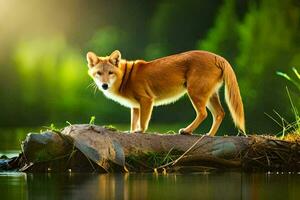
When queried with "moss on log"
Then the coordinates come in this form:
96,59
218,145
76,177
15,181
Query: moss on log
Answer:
85,148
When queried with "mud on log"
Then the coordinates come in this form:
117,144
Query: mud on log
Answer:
86,148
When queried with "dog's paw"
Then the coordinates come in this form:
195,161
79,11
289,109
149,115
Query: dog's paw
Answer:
137,131
208,134
182,132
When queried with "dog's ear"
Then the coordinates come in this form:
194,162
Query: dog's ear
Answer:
92,59
115,58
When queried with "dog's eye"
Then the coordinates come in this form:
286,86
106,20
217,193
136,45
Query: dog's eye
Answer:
99,73
110,72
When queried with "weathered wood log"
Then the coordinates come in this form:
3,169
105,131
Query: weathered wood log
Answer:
95,148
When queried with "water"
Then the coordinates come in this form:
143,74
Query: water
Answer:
230,185
227,185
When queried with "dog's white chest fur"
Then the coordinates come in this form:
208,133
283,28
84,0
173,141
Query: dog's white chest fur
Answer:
121,100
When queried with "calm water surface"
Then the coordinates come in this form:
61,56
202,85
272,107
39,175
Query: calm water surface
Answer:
148,186
227,185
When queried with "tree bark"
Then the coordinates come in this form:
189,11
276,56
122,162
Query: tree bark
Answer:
95,148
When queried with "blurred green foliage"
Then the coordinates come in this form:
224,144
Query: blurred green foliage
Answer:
264,40
44,74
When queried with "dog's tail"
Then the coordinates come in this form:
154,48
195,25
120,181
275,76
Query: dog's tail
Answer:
233,97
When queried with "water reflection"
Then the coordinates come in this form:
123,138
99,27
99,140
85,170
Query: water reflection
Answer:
148,186
13,186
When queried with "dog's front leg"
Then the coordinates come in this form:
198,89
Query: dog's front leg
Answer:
146,107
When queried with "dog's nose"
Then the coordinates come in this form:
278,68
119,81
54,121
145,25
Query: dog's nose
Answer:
104,86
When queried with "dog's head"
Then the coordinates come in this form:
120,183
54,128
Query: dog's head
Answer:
104,70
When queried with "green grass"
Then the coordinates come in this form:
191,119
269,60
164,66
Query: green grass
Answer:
158,128
290,127
295,81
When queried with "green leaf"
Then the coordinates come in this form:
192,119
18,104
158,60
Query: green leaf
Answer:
92,120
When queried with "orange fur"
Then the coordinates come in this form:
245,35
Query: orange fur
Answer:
140,85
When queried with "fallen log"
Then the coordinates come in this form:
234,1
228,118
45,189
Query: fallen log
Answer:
86,148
